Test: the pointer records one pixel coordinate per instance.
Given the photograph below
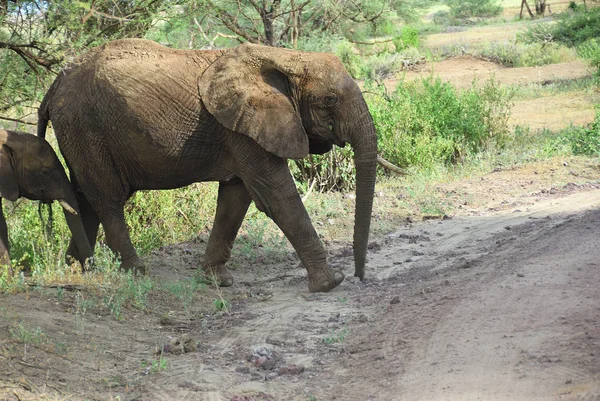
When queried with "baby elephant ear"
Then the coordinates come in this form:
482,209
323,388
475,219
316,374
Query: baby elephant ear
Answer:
8,181
249,90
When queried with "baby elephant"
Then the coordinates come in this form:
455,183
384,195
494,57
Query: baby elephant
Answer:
29,168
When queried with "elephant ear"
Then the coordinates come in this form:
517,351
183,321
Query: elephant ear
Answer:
249,90
8,182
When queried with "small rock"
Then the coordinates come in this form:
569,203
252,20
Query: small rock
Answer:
178,345
291,370
520,275
374,246
362,318
395,300
462,263
264,358
242,369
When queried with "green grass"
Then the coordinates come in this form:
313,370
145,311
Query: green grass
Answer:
587,86
335,337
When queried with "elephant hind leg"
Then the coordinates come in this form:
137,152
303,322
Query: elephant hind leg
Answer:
91,223
119,241
232,204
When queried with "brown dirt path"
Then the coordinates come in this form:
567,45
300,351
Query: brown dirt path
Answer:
461,71
500,302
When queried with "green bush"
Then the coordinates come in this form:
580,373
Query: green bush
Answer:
590,50
541,33
408,38
575,28
527,55
427,122
333,171
586,140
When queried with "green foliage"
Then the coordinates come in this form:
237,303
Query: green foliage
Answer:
428,121
586,140
526,55
574,28
408,38
333,171
127,290
473,8
38,37
541,33
156,365
184,290
221,305
590,50
156,218
26,335
335,337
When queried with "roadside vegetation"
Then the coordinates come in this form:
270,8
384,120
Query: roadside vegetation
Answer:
436,132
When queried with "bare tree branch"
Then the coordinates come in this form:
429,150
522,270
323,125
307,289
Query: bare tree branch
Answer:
17,120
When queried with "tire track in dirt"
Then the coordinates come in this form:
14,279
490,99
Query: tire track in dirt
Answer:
461,331
459,355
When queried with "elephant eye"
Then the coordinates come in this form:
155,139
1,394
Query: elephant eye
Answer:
330,100
45,172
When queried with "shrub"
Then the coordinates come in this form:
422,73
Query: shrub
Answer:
527,55
350,58
408,38
427,122
333,171
590,50
574,28
586,140
536,33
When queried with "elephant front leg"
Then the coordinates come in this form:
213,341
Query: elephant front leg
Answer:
270,184
4,245
232,204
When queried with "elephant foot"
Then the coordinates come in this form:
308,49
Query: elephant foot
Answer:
219,275
324,280
134,265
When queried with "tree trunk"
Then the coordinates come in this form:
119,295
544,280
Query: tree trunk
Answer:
524,4
540,7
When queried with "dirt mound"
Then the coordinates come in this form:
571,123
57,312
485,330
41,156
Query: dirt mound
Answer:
461,71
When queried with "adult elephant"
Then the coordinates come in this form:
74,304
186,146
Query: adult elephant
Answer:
133,115
29,168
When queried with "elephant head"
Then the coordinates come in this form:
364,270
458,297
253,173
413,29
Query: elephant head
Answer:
29,168
292,104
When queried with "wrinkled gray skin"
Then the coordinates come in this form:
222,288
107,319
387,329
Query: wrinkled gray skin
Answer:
29,168
133,115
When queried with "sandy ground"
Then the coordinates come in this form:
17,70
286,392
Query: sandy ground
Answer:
497,302
552,112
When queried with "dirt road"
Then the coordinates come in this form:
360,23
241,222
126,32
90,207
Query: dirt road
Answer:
486,306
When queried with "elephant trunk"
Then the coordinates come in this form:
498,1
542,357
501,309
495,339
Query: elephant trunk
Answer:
73,217
363,140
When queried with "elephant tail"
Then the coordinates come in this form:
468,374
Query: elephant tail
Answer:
43,110
43,119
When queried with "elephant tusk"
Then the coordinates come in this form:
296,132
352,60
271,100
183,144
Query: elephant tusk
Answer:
389,166
67,207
